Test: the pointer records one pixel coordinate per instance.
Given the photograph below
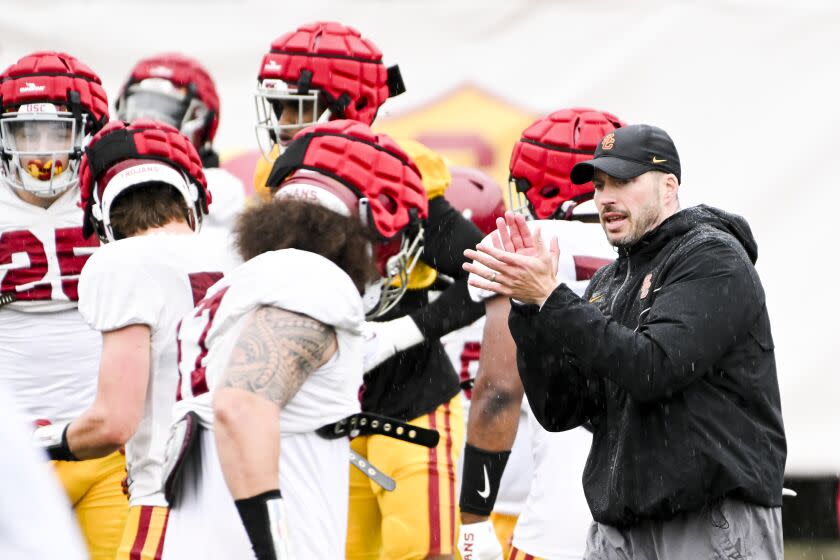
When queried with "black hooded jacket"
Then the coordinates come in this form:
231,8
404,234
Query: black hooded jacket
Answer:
669,356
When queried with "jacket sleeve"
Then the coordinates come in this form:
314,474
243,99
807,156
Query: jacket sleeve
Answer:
708,300
559,395
448,233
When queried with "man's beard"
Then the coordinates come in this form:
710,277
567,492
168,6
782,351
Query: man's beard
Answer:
640,224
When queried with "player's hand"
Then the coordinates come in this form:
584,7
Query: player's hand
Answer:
46,433
52,438
383,340
477,541
524,268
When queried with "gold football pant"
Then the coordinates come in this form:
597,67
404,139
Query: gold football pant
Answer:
503,525
144,533
516,554
419,517
95,491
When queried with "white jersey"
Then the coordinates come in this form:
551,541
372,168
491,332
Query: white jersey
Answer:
42,252
556,517
463,346
314,473
556,500
49,355
228,201
150,280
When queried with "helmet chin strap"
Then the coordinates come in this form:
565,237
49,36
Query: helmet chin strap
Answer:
325,116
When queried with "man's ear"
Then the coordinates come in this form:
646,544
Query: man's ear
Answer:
671,188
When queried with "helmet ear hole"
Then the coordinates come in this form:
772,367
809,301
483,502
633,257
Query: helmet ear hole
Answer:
388,203
361,103
550,191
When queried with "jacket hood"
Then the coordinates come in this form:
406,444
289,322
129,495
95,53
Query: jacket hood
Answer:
689,218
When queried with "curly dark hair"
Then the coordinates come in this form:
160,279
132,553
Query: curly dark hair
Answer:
296,224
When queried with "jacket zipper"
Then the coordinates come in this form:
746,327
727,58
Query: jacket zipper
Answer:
626,278
612,313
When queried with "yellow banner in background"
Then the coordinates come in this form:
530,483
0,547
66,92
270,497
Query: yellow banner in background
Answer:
468,126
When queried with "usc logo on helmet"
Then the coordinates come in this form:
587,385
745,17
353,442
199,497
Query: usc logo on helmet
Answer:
608,142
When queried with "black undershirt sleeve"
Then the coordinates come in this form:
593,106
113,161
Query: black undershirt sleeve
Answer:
447,234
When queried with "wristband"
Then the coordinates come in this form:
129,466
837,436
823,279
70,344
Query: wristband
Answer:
482,476
263,518
52,438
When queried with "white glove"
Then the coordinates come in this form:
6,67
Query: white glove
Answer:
383,340
477,541
48,434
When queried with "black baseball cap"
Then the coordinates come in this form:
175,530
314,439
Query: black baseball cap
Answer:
629,151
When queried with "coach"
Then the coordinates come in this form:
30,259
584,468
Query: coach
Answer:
668,356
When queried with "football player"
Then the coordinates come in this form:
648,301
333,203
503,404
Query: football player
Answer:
50,104
324,71
144,194
177,90
479,198
275,352
555,517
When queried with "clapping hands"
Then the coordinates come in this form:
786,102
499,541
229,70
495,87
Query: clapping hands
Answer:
518,265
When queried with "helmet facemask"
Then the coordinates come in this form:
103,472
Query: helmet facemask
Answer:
274,98
160,100
41,148
395,260
518,201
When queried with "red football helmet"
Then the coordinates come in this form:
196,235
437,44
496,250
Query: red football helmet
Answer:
123,156
49,103
386,187
319,72
173,89
543,158
477,196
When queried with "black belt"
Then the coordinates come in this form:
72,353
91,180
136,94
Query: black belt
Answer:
365,423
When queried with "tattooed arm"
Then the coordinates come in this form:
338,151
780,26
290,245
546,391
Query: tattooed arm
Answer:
275,353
